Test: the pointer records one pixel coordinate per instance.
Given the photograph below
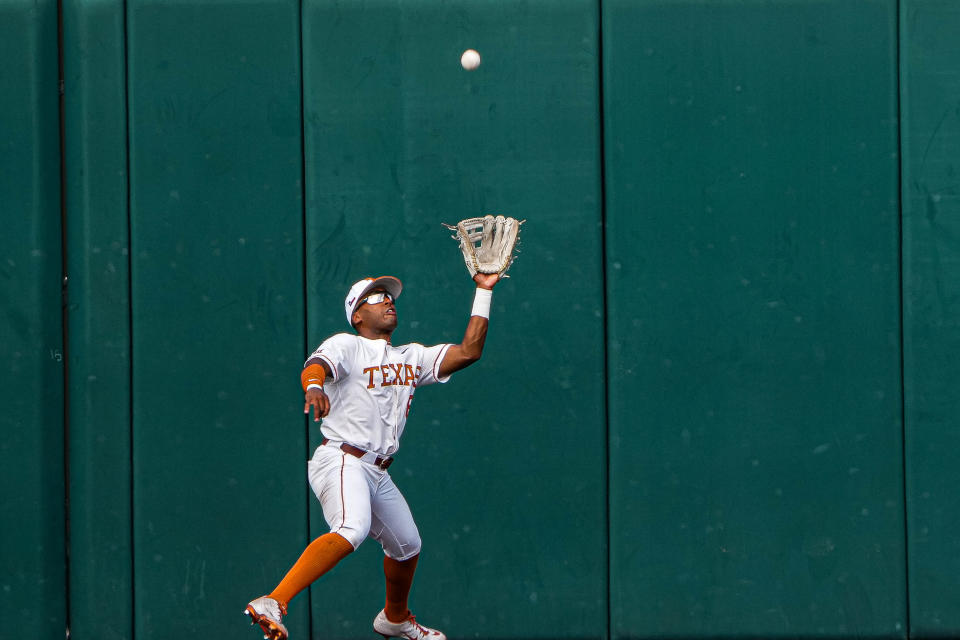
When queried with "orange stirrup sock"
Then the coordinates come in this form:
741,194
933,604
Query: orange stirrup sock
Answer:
320,556
399,577
312,374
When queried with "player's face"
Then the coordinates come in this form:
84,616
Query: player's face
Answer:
377,311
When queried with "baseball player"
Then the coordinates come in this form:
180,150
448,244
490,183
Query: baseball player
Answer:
362,386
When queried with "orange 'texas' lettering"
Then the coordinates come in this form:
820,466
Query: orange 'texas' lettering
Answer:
370,370
393,374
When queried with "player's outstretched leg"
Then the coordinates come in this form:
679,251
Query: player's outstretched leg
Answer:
409,629
268,613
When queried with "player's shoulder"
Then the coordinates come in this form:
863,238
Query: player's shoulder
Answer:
417,349
340,340
410,346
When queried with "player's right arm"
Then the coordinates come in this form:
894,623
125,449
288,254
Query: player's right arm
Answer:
315,372
461,356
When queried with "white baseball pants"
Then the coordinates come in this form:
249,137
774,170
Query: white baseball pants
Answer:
359,499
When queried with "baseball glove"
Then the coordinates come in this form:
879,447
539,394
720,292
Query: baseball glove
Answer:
487,243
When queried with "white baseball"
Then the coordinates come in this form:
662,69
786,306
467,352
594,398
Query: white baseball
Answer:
470,60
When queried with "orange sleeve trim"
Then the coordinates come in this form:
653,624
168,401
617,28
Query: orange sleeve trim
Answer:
312,374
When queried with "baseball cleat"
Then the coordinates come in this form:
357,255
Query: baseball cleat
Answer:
409,629
268,613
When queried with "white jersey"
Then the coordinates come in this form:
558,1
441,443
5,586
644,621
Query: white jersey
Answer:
372,388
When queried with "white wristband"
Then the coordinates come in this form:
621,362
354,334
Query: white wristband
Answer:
481,303
315,386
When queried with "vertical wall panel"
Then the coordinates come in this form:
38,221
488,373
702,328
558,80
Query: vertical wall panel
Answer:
216,242
32,566
756,471
931,258
99,320
503,466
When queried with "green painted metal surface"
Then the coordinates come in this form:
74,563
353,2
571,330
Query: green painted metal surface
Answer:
931,262
95,117
504,466
218,321
756,482
32,553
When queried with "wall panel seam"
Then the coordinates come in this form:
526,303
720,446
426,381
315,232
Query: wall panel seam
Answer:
899,33
603,274
305,346
130,327
64,321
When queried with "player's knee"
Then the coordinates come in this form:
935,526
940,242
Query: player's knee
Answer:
411,550
404,549
355,533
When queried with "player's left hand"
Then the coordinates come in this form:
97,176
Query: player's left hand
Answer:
486,280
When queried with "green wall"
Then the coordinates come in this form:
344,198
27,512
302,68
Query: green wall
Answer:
752,253
930,128
97,235
216,240
32,556
718,398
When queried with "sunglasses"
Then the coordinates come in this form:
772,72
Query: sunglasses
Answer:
376,298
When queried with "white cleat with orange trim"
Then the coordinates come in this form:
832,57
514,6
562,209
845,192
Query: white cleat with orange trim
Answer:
268,613
409,629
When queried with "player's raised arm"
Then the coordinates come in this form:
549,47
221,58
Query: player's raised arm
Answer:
487,245
460,356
